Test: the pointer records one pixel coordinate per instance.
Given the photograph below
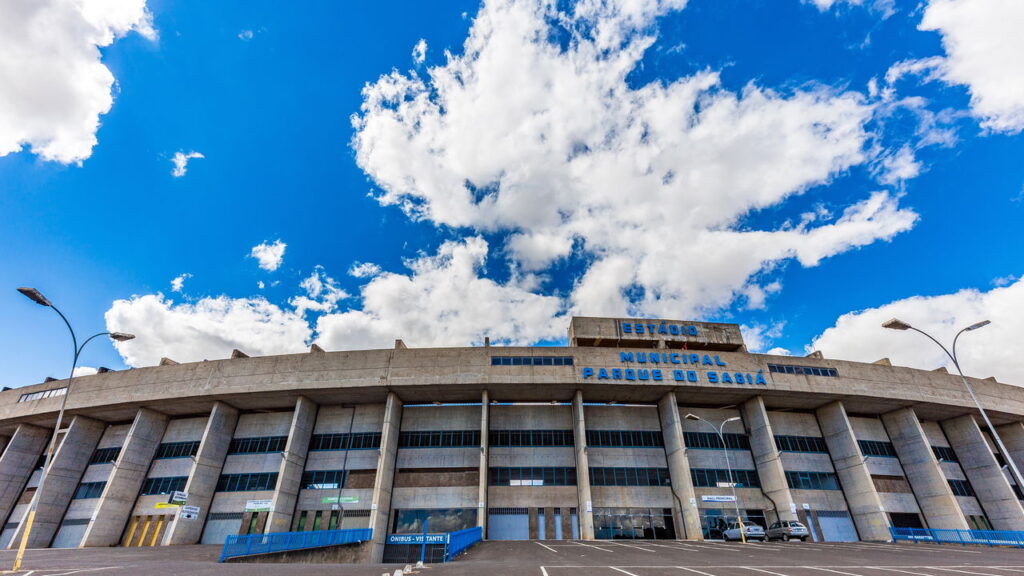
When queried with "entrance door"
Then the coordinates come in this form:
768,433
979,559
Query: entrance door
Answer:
508,524
836,526
905,520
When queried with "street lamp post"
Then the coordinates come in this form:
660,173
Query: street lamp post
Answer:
728,466
896,324
38,298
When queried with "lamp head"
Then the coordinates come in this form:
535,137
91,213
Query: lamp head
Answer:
121,336
691,417
35,296
733,419
977,325
896,324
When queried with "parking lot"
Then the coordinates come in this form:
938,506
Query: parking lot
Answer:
568,558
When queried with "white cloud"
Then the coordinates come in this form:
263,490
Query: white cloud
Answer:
270,256
180,161
419,51
1005,280
53,85
245,35
363,270
983,46
990,351
85,371
885,7
179,282
322,293
758,337
443,302
208,329
260,284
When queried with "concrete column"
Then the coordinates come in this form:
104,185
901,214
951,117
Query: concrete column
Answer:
205,472
934,496
991,486
66,469
380,505
686,516
125,482
1013,438
293,463
852,471
585,512
17,463
485,448
766,458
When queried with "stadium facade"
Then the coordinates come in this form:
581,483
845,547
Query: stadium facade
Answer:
612,436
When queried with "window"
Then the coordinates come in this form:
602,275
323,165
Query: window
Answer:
259,445
247,482
961,487
89,490
536,476
625,438
177,450
710,477
323,479
531,361
877,448
535,438
801,444
812,480
805,370
944,454
440,439
710,440
629,477
356,441
43,394
105,455
164,485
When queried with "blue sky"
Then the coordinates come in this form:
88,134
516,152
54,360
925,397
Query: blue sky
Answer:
801,168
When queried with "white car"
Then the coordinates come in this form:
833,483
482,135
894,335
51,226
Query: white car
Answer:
752,532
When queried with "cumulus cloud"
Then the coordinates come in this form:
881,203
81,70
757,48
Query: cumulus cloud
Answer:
270,256
885,7
419,51
990,351
758,337
179,282
322,293
546,141
207,329
53,85
180,161
364,270
85,371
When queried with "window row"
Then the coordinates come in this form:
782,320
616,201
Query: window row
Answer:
518,438
801,444
944,454
354,441
247,482
89,490
105,455
323,479
532,476
42,394
961,487
812,480
164,485
710,440
712,477
177,450
258,445
629,477
877,448
439,439
531,360
625,438
805,370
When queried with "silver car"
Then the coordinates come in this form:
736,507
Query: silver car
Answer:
751,531
786,531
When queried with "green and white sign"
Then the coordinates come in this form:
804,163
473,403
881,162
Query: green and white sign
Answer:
340,500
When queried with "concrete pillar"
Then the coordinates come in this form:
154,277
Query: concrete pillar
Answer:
1013,438
852,471
205,472
293,463
125,482
585,512
934,496
380,504
686,515
17,463
66,469
991,486
485,449
766,458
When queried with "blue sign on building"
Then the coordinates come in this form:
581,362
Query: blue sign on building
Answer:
418,539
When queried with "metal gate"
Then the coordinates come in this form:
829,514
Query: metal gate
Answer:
836,526
221,525
508,524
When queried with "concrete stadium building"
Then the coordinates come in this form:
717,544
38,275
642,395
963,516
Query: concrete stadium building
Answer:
588,441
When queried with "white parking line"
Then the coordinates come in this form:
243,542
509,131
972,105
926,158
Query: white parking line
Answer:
830,570
548,547
760,570
897,570
592,546
633,546
623,571
694,571
1008,569
543,571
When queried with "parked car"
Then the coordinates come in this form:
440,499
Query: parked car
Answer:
786,531
752,532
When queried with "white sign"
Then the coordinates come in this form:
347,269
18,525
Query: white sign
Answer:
718,498
190,510
807,506
693,501
590,506
178,497
258,505
187,516
726,484
792,507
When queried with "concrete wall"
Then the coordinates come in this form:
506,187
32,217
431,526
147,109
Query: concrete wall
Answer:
766,459
990,485
17,463
380,506
292,465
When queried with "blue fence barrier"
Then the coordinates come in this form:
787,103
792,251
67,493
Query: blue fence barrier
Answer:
964,537
282,541
459,542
